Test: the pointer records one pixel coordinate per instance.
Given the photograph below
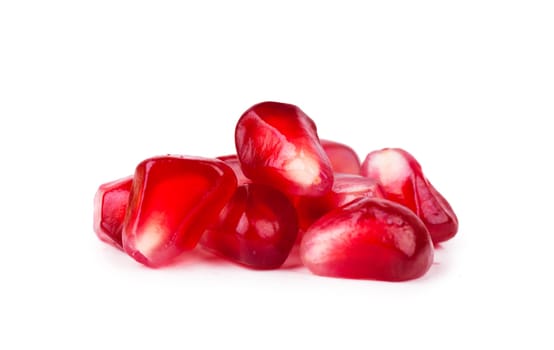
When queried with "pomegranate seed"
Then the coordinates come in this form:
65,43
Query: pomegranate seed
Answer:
172,201
368,238
277,145
110,204
403,181
346,188
294,260
257,228
343,158
234,163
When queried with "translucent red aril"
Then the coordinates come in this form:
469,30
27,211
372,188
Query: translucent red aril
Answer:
403,181
278,145
110,204
369,239
172,201
343,158
257,228
346,188
234,163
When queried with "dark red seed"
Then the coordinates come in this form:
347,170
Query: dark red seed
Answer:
403,181
257,228
368,238
278,145
172,201
110,204
343,158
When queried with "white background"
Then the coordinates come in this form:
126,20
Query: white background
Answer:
90,88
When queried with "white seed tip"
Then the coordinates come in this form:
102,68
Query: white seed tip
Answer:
389,166
303,169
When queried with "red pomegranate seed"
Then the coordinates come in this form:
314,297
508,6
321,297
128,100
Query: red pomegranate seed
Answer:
234,163
369,239
403,181
346,188
277,145
110,204
257,228
294,260
343,158
172,201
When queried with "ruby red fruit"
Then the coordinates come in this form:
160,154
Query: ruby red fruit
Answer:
403,181
233,161
172,201
346,188
343,158
110,204
368,238
278,145
257,228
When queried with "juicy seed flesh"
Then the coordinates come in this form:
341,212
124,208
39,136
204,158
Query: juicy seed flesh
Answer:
277,145
403,182
390,167
369,239
154,235
303,169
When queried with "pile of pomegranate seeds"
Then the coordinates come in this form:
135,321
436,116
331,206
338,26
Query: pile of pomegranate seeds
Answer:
285,192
